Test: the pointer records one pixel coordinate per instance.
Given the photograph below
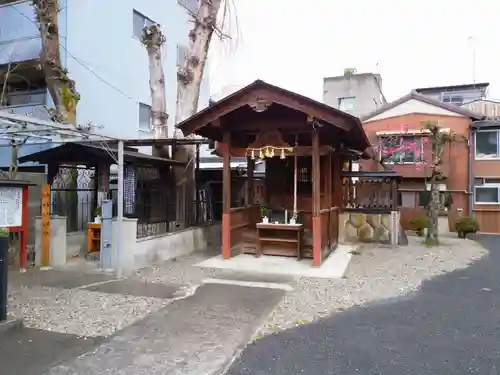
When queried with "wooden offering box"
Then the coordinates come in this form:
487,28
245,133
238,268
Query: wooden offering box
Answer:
94,237
280,239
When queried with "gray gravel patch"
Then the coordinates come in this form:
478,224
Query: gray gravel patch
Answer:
378,274
138,289
77,311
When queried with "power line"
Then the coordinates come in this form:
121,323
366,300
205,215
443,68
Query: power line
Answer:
97,75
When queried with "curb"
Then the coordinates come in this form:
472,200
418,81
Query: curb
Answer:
10,324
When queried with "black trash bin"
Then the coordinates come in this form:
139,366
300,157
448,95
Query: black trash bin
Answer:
4,264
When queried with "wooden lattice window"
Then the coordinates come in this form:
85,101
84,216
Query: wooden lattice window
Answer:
304,175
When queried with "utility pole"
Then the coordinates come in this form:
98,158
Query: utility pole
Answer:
119,216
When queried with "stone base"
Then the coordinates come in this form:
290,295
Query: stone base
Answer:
362,227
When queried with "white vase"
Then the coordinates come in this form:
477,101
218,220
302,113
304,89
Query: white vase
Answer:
265,220
97,220
292,221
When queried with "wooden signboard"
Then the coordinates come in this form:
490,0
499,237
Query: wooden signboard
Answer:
45,225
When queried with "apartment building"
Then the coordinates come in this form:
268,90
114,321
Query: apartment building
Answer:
400,123
485,165
354,93
456,95
101,49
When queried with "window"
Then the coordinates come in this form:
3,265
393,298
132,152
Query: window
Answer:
486,195
140,21
424,198
144,117
453,99
487,144
347,103
26,98
191,5
407,199
402,149
486,190
182,52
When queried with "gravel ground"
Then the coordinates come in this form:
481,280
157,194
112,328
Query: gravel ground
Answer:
181,271
77,311
379,272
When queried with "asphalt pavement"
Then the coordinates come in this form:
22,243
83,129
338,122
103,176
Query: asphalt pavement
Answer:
450,326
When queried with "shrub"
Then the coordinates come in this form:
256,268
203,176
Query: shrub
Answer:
419,223
263,211
466,225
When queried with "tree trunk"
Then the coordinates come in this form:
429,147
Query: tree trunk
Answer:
189,82
60,86
438,141
153,39
433,228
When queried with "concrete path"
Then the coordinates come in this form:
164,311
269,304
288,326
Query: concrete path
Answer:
197,335
28,351
449,326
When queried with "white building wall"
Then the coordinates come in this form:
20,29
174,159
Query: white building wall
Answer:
100,36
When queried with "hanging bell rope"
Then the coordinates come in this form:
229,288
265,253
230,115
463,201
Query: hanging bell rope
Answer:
268,144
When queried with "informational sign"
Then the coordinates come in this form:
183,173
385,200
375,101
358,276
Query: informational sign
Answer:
11,207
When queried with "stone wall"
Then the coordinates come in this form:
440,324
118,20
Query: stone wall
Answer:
364,227
360,227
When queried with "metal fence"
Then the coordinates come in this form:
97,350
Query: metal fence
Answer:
73,195
167,223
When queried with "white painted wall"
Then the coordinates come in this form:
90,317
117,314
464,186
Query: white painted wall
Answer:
413,106
100,34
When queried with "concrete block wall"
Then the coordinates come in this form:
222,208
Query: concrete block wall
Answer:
142,252
58,241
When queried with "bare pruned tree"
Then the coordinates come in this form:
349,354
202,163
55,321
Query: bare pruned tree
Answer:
61,88
153,39
189,79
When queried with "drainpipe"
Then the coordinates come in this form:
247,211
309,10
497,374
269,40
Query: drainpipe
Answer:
472,142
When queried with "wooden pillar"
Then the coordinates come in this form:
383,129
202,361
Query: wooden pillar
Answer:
337,181
394,194
328,193
197,183
250,181
46,213
316,192
23,245
226,205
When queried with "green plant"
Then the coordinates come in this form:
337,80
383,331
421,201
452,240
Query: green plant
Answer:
466,225
419,223
97,211
263,211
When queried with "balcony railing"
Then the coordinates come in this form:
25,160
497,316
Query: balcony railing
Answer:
38,111
19,34
35,110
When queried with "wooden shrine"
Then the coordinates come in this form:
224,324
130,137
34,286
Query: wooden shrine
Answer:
304,144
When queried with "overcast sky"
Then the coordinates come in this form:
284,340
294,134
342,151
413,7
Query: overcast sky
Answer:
411,43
